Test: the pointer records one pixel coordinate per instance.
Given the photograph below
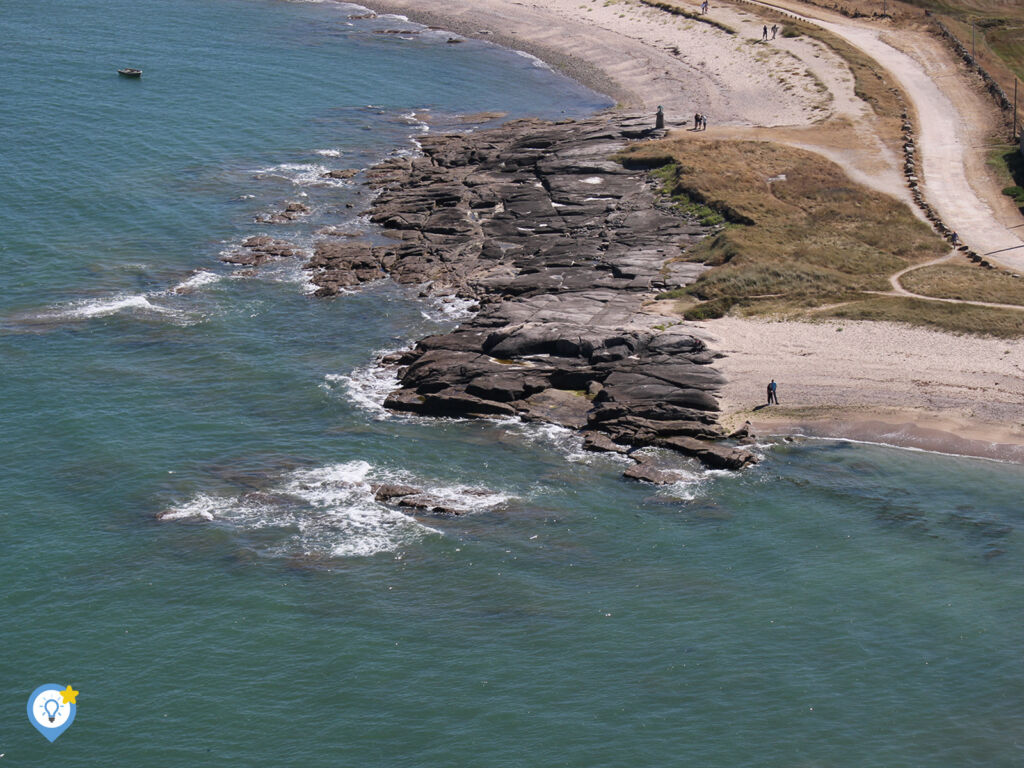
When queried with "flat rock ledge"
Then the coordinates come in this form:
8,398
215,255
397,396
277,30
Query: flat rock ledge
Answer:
560,246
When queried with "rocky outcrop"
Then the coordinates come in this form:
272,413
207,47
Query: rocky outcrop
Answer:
560,245
259,249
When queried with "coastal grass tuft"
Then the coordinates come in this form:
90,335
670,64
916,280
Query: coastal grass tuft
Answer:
676,10
682,201
797,229
966,282
1008,164
958,318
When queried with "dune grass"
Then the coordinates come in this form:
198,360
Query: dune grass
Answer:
795,225
957,318
798,237
966,282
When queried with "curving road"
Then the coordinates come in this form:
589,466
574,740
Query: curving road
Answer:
942,145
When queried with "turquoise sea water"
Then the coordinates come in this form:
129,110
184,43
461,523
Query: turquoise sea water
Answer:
838,605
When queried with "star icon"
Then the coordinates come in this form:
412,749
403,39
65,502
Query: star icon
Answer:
68,695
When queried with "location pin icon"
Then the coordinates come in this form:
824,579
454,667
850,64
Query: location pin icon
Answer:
51,709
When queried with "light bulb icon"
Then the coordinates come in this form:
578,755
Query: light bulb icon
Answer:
52,708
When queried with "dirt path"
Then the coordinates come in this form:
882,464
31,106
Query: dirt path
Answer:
945,138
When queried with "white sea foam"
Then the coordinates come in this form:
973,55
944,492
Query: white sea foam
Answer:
367,387
198,280
302,174
539,63
331,510
89,308
445,308
329,152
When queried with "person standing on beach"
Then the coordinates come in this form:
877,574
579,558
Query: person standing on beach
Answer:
703,122
775,29
764,32
696,121
704,7
772,395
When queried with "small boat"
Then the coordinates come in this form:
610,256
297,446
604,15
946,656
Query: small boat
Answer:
130,72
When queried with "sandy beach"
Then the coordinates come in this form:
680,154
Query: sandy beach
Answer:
872,381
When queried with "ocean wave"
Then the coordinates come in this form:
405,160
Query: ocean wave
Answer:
444,308
537,62
196,281
86,309
366,387
331,510
302,174
329,152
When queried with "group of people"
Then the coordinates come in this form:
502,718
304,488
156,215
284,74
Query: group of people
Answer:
700,122
704,7
764,31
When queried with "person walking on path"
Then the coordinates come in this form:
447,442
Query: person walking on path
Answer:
704,7
775,29
696,121
772,395
703,122
764,32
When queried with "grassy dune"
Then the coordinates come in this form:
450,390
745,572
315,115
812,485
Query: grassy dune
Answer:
966,282
798,237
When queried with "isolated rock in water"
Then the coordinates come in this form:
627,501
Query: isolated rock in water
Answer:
388,491
291,212
427,505
712,455
650,474
259,249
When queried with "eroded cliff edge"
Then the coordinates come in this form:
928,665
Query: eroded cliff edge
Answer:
560,246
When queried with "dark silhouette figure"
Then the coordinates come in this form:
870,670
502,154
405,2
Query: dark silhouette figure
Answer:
659,119
772,395
775,30
704,7
764,32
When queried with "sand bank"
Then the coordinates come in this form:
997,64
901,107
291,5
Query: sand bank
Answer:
878,382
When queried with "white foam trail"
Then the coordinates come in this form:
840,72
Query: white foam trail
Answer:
198,280
367,387
444,308
302,174
331,510
539,63
329,152
89,308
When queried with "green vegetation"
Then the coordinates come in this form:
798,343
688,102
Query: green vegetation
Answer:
966,282
802,240
799,229
1009,165
682,201
959,318
998,27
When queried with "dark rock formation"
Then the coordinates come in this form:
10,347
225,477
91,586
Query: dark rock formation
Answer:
292,212
259,249
560,245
